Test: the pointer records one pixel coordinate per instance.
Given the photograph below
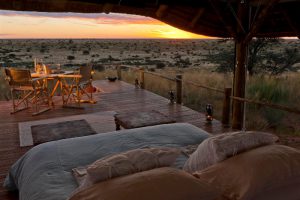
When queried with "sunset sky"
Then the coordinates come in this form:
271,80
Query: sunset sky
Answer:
74,25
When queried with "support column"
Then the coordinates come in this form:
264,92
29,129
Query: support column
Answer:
241,52
239,84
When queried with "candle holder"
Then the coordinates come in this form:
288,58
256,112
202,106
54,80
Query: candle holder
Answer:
136,83
171,97
209,112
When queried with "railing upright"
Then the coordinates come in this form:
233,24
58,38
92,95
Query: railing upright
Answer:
142,78
119,72
226,107
178,88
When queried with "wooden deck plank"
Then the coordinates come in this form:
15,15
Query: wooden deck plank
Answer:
117,96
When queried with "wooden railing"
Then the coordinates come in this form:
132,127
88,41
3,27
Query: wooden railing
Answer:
178,80
267,104
227,92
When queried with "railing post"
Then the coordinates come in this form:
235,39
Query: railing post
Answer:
142,78
179,88
119,72
226,106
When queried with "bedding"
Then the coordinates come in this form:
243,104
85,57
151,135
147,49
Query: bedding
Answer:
156,184
129,162
266,173
220,147
45,171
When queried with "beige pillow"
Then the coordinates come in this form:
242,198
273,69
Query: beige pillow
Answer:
125,163
266,173
220,147
156,184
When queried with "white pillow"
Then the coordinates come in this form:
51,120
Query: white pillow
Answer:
220,147
129,162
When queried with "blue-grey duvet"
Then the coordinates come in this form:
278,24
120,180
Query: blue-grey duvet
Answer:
44,172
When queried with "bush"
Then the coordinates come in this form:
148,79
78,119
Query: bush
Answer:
71,58
85,52
160,65
98,67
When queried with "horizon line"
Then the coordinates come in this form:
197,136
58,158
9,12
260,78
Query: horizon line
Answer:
208,38
111,38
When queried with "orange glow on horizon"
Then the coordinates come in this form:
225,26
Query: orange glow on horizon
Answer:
112,26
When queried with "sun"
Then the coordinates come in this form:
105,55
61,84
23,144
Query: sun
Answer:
173,33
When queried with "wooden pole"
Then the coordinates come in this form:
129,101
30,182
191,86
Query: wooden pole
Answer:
119,72
179,88
239,85
226,106
239,81
142,78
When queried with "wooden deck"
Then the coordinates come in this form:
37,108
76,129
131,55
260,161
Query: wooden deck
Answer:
116,96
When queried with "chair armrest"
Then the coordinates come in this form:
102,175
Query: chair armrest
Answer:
39,78
70,76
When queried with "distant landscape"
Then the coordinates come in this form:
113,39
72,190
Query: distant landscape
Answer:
186,53
273,73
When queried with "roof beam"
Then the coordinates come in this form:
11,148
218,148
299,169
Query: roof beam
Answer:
107,8
221,18
162,11
289,21
196,18
260,19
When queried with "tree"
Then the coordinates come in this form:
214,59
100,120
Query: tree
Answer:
225,58
70,58
257,45
160,65
277,63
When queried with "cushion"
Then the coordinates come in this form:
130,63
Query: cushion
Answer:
129,162
161,183
268,172
221,147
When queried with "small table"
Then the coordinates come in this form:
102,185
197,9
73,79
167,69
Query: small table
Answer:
141,119
60,79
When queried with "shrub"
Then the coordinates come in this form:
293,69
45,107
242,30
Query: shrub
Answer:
160,65
71,58
85,52
98,67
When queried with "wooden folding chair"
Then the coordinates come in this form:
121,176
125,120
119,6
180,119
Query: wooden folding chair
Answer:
80,87
26,90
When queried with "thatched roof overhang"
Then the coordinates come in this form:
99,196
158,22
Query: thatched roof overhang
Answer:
218,18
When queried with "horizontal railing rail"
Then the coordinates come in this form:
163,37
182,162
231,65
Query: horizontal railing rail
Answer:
160,75
203,86
267,104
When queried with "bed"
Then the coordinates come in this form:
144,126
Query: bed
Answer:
44,172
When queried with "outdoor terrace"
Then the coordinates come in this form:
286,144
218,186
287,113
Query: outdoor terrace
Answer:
114,96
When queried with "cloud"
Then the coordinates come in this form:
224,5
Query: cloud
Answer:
3,35
98,18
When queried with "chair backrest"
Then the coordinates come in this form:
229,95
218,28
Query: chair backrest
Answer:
38,68
46,69
86,73
18,77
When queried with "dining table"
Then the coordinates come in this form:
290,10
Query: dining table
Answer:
60,79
